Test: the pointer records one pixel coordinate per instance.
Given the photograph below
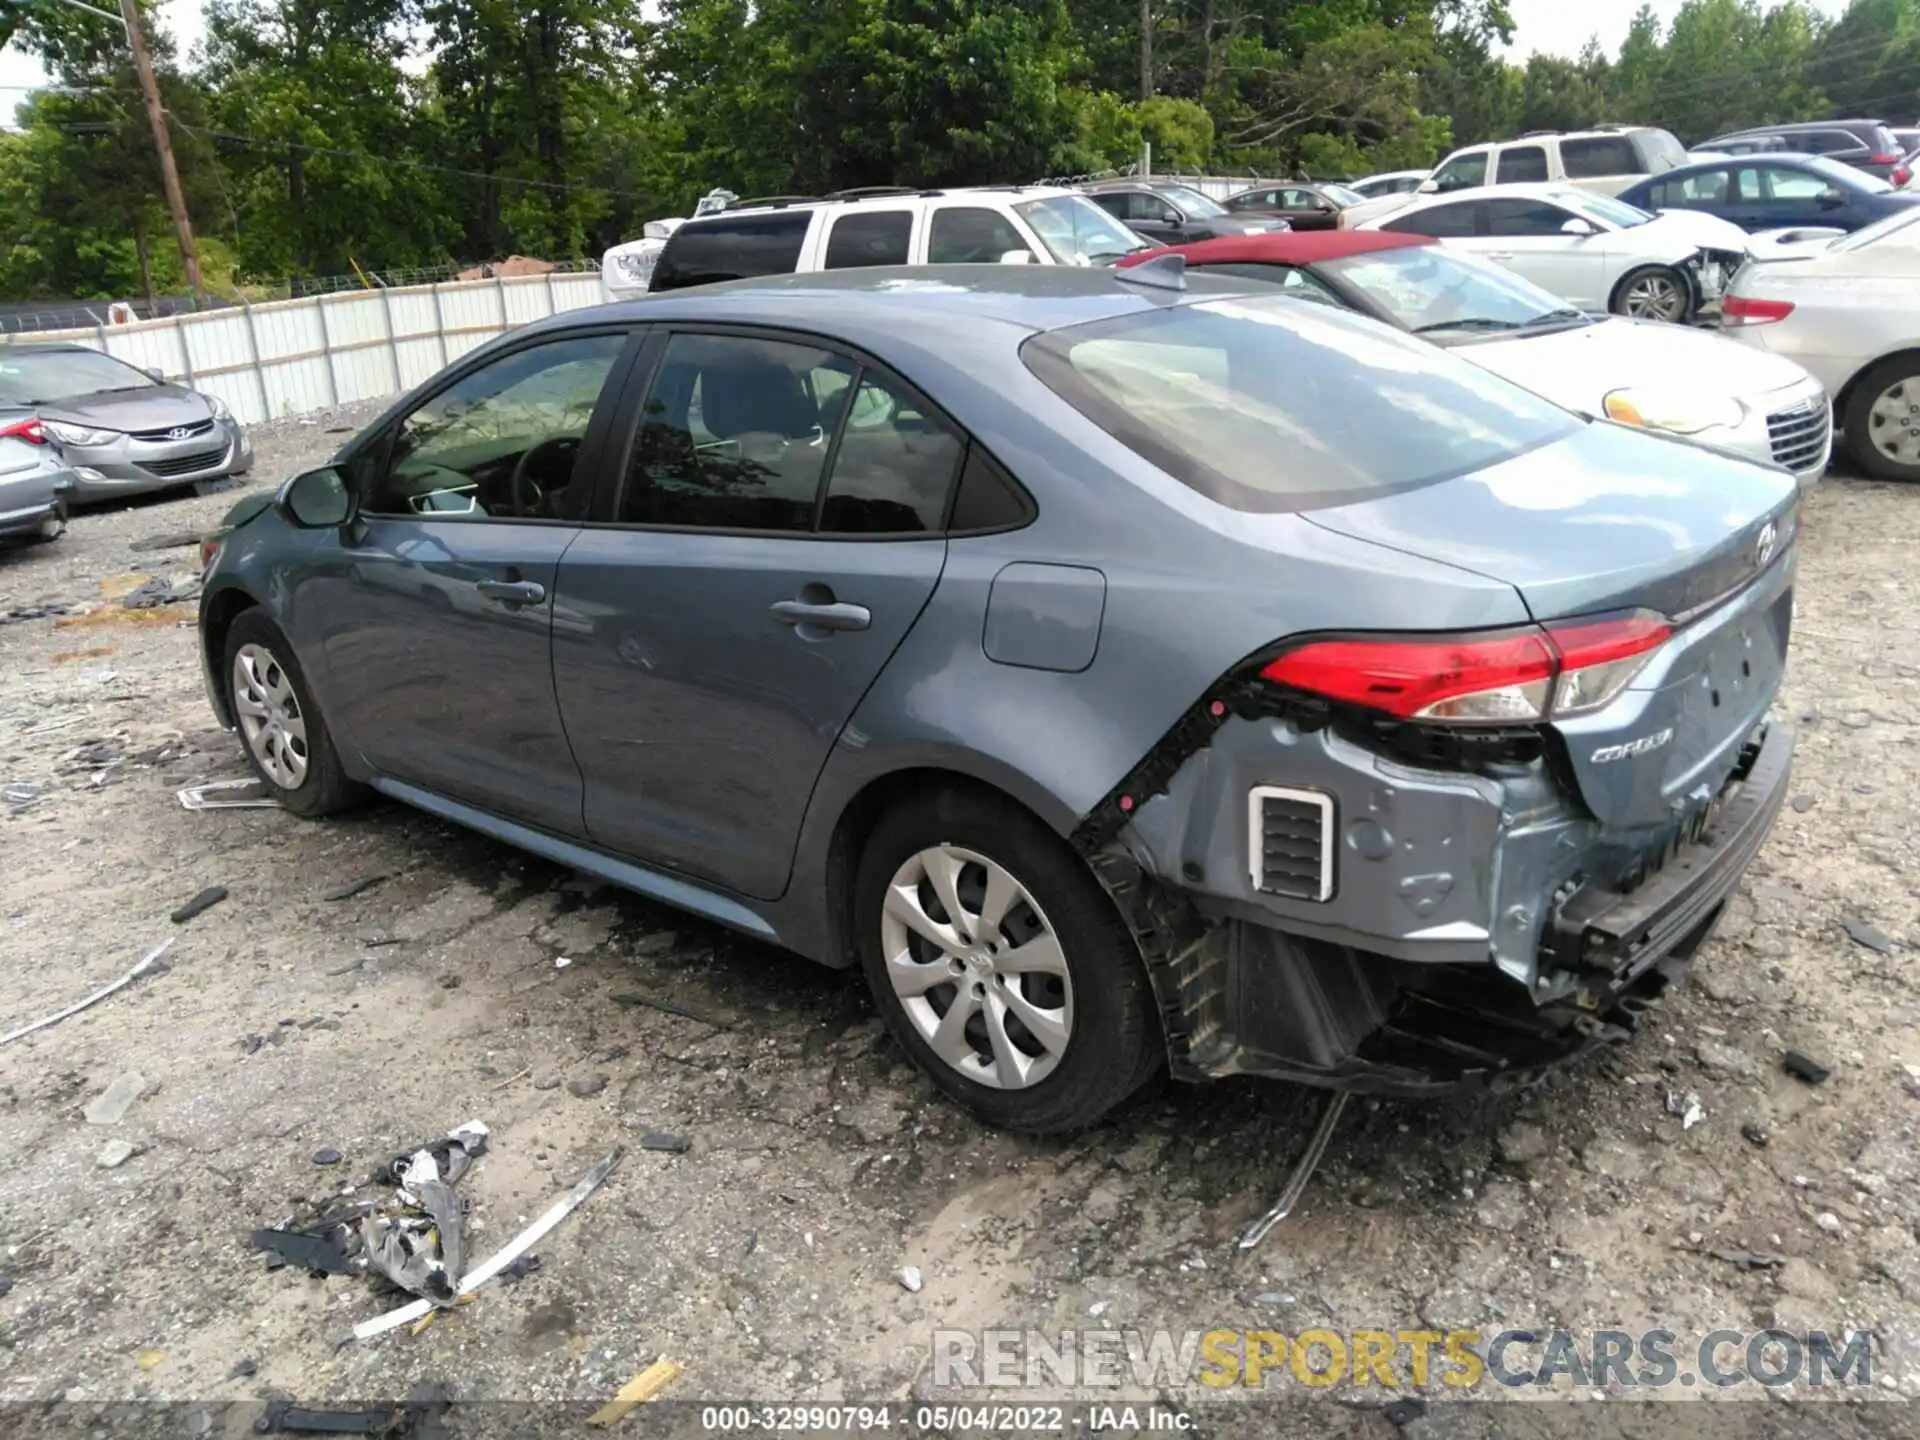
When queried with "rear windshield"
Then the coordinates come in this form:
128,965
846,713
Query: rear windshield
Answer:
1663,152
1264,403
1845,176
732,247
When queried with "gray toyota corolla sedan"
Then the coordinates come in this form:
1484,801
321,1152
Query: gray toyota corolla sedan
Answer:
122,431
1124,670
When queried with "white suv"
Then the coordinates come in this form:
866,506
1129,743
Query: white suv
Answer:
1010,224
1606,160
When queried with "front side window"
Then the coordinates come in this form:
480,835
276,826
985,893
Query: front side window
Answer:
502,441
34,377
1523,165
869,238
971,235
1598,155
1462,172
1262,404
1443,222
732,247
1708,188
1605,210
1078,232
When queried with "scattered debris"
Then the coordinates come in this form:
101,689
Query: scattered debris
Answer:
116,1153
1754,1134
1803,803
546,1082
327,1155
1405,1411
561,962
35,612
149,1359
327,1247
177,540
1303,1169
637,1391
666,1142
1804,1067
1828,1221
670,1007
110,1106
513,1250
248,794
243,1367
586,1086
1863,932
1750,1259
150,963
199,904
520,1269
157,591
1687,1107
909,1278
284,1417
21,796
356,887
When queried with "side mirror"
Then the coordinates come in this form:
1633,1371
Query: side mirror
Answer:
1427,187
1832,200
317,500
1576,226
154,372
1016,257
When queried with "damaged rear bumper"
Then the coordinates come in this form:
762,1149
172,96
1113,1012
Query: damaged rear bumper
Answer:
1239,995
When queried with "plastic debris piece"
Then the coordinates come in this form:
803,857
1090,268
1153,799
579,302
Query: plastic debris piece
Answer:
1862,932
636,1392
909,1278
1804,1067
666,1142
1750,1259
282,1417
115,1153
149,1359
199,904
248,794
325,1252
561,962
150,963
1687,1107
328,1155
452,1153
1302,1172
110,1106
519,1270
512,1251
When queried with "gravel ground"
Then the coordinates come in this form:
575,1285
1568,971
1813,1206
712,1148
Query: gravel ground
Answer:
765,1258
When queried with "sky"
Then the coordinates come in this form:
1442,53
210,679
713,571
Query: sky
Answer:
1554,27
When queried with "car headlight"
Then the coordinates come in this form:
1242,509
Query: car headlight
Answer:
637,267
1682,412
217,406
81,435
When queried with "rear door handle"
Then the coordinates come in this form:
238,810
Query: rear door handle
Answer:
836,615
512,592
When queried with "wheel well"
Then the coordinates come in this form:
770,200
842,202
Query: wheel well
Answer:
221,611
1845,397
1621,284
857,822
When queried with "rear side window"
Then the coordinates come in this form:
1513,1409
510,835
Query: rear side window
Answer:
871,238
894,467
1523,164
969,235
1597,156
731,247
1261,404
1443,222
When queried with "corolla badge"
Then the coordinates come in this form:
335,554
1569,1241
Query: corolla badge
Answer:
1763,545
1626,750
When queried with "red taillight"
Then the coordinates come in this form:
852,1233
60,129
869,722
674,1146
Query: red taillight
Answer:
1884,159
1737,310
30,431
1901,175
1502,677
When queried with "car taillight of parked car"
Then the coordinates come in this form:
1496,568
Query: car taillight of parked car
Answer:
1884,159
1502,677
31,431
210,551
1900,176
1740,310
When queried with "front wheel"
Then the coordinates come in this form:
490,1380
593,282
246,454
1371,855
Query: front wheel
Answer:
1883,420
1654,292
287,740
1001,966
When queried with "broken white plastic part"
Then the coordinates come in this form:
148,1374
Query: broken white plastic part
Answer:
127,979
221,795
500,1259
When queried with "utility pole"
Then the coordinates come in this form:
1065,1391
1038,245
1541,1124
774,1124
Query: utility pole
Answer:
163,142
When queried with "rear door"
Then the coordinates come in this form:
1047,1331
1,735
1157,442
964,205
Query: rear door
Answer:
1606,164
777,529
961,234
435,619
1522,165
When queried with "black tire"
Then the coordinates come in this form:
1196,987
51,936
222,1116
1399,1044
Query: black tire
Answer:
52,528
1858,420
1113,1046
1664,273
324,789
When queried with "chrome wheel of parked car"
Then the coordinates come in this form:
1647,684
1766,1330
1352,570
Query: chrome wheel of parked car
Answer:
270,716
1656,293
1881,420
977,967
1894,421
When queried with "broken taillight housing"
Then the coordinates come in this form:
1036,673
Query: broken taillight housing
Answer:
30,430
1501,677
210,551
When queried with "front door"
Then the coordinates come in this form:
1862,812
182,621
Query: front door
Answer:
436,623
778,533
1529,238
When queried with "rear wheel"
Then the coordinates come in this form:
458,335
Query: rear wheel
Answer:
1883,420
287,740
1653,292
1000,964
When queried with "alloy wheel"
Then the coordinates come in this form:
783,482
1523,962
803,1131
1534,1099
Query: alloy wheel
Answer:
1893,422
977,967
270,716
1655,297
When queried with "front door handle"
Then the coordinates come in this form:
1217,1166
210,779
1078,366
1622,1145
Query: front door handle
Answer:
1499,254
835,615
512,592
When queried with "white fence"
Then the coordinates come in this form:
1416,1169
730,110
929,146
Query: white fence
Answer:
292,357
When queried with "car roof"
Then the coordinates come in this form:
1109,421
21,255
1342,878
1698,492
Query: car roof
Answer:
1797,127
1559,191
888,197
1788,160
1283,247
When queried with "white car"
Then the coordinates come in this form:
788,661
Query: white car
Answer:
1671,378
1591,250
626,269
1390,183
1849,310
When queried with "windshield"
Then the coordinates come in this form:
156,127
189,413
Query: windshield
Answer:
1261,403
1190,200
1341,195
1617,213
1078,232
33,377
1846,177
1450,296
1899,226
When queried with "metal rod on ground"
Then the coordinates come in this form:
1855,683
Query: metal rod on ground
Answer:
163,142
1303,1169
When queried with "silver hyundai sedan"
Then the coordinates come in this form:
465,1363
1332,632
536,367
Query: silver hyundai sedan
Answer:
122,431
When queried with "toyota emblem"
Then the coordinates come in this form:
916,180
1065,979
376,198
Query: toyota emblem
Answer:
1763,546
181,432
